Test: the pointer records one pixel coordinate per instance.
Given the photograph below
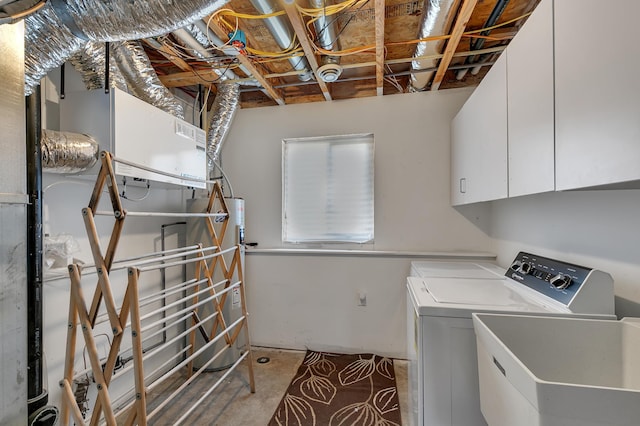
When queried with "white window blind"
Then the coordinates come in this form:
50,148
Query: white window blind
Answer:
328,189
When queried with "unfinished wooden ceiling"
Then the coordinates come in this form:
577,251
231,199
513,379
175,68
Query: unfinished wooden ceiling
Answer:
375,41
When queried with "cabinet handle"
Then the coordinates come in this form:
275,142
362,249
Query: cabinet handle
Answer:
463,185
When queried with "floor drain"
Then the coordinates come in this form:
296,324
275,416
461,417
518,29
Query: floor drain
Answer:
263,360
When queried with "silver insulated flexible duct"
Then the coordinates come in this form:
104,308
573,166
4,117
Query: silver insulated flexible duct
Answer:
143,82
129,70
61,27
195,41
66,152
434,21
90,63
223,110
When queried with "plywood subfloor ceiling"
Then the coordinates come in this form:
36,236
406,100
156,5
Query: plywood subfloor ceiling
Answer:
374,40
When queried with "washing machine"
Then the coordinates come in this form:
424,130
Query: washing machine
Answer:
455,269
443,369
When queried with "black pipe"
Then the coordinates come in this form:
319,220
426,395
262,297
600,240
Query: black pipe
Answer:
62,82
200,103
107,68
36,392
478,43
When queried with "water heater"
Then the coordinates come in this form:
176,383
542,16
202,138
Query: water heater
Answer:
197,232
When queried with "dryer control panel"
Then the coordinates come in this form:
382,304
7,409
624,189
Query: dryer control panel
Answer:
556,279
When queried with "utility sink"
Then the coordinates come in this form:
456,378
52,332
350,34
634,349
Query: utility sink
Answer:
558,371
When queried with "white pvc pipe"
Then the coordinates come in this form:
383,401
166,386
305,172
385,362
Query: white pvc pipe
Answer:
142,256
184,262
189,309
178,302
156,297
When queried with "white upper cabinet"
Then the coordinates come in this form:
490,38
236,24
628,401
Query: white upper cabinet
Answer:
597,92
479,141
530,105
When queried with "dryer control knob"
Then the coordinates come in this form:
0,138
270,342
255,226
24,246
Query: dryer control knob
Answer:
560,281
525,268
516,265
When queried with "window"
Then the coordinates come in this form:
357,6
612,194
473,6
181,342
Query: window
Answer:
327,185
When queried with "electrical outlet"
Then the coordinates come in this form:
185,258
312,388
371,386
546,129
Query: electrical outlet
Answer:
362,298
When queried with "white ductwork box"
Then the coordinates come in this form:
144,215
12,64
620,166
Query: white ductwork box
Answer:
137,132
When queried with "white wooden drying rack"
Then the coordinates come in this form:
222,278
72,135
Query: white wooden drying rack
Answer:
197,291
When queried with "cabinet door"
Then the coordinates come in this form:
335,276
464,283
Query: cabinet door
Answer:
479,141
597,92
530,105
461,136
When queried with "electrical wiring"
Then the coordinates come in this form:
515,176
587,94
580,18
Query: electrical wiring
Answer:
16,16
284,54
511,21
295,50
329,10
393,80
472,33
124,189
178,50
230,12
361,3
266,60
211,43
220,74
79,182
205,101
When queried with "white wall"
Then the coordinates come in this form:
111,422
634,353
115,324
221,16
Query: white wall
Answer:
597,229
288,295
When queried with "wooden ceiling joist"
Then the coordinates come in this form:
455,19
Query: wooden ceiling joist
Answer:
452,44
379,23
169,53
298,27
190,78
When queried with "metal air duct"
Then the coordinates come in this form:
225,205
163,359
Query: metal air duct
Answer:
62,27
143,82
283,35
435,19
66,152
195,40
187,39
90,63
129,71
327,35
223,110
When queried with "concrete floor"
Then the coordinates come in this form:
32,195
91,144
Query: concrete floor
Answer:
232,404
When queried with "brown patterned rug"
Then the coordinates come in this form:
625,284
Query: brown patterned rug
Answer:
340,390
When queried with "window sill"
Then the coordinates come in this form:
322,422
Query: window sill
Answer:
454,255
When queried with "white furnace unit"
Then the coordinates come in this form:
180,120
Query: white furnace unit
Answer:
137,132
